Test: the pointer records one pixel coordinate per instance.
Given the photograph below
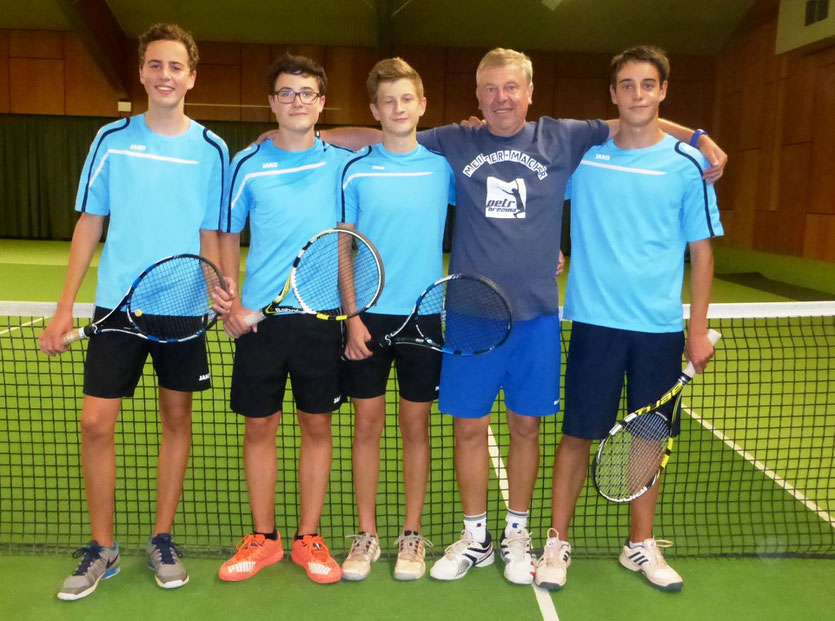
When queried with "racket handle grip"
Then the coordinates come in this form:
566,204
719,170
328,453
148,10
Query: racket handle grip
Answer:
75,335
254,317
714,336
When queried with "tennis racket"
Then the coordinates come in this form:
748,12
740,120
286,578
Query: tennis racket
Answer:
336,275
631,458
474,314
169,302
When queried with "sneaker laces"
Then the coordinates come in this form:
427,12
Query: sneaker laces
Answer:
408,546
361,546
556,551
317,547
652,548
91,553
164,544
518,544
459,546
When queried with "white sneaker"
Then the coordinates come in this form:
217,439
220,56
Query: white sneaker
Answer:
461,555
647,558
364,551
552,566
516,554
411,552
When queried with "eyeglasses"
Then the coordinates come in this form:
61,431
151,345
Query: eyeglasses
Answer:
288,96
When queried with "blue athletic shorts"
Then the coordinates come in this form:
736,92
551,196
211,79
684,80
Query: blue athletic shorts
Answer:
526,366
600,359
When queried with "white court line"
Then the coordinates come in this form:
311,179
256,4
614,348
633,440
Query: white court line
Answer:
543,597
811,505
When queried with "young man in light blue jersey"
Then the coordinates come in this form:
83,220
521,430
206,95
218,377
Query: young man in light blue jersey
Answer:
159,177
288,190
396,193
637,201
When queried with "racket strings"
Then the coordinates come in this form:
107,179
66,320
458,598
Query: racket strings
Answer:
630,459
475,316
337,271
172,300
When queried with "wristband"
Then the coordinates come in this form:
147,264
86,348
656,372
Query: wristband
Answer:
694,139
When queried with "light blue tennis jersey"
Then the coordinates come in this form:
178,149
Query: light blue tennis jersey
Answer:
289,196
632,213
508,215
159,191
400,202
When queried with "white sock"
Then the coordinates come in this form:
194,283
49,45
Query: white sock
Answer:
515,521
477,526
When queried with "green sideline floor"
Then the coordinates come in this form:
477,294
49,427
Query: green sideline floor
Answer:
735,589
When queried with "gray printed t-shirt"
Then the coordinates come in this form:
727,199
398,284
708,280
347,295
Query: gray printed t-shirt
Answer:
510,191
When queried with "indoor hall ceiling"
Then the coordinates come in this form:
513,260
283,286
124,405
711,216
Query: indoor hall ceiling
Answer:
696,27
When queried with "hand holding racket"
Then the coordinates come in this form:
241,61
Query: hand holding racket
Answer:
336,275
631,458
169,302
474,314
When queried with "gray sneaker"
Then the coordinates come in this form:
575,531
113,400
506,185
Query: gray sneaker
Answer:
164,559
97,563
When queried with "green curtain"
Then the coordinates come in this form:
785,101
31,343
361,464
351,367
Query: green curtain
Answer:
41,158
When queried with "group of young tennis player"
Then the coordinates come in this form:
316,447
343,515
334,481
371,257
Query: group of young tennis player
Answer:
639,196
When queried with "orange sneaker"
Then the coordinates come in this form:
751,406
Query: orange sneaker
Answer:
311,553
254,553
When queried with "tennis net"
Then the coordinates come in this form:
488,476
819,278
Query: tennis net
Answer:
751,473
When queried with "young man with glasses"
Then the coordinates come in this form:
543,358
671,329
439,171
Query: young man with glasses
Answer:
287,188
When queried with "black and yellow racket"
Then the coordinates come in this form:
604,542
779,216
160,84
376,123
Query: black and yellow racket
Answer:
169,302
631,458
336,275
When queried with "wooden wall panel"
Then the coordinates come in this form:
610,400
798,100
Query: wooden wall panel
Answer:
822,175
87,91
689,103
4,72
460,84
793,197
36,44
219,86
347,102
798,124
212,53
315,52
430,63
745,197
766,230
255,89
544,72
36,86
820,232
581,98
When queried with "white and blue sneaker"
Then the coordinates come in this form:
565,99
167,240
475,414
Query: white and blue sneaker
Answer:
97,563
647,558
461,556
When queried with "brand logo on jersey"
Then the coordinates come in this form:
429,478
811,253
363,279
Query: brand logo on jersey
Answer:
506,155
138,147
375,167
270,165
204,378
602,156
505,199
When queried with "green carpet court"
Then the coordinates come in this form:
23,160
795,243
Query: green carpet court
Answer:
749,486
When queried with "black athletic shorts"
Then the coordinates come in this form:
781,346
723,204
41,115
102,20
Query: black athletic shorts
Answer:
418,368
115,360
301,347
599,359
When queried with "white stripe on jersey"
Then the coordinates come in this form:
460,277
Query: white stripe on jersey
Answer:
150,156
275,171
384,174
640,171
